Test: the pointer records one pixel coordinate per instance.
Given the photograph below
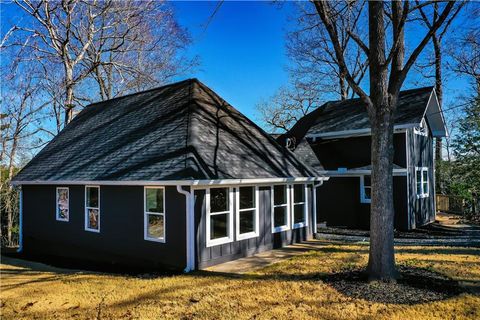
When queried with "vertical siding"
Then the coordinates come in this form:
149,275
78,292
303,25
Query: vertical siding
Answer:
121,236
207,256
420,152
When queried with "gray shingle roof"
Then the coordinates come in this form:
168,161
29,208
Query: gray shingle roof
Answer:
351,114
179,131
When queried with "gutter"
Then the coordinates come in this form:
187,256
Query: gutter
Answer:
315,186
190,228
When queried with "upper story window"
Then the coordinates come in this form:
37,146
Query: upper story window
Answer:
219,226
280,208
299,205
247,212
421,180
154,214
422,129
365,189
62,210
92,208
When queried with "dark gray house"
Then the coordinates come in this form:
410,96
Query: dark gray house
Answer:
339,135
173,178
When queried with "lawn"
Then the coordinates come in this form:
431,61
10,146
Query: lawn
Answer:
319,284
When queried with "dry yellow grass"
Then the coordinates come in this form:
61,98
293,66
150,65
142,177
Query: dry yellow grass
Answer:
287,290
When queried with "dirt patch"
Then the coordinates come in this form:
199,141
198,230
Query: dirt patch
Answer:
415,285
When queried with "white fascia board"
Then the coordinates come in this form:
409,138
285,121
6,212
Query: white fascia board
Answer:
172,182
357,132
357,173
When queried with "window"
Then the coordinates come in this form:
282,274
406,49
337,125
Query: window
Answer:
280,208
154,215
92,208
365,189
247,212
299,205
219,216
62,211
421,180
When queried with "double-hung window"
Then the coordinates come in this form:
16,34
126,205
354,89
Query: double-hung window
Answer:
154,215
219,226
92,208
247,212
280,208
421,180
365,189
62,208
299,205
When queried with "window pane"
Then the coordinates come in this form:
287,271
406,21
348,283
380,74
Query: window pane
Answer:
62,204
298,213
155,228
247,221
92,197
298,193
247,197
418,177
219,199
425,176
279,216
367,181
154,199
92,222
218,226
368,193
280,194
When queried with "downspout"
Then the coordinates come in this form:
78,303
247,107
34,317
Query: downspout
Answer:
190,228
20,222
315,186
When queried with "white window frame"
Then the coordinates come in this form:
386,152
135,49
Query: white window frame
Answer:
86,210
424,193
305,208
285,227
421,130
229,238
248,235
363,195
56,203
146,213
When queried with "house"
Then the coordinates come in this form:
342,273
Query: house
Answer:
339,135
172,178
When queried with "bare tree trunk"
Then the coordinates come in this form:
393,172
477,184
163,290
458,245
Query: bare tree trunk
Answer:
381,262
9,195
439,91
343,87
68,93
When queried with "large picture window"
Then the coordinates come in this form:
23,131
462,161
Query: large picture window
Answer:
92,208
62,210
421,180
247,212
299,205
154,215
219,216
365,189
280,208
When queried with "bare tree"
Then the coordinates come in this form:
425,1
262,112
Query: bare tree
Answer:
467,60
120,45
388,69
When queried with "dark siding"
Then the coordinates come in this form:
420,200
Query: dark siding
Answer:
121,238
338,203
354,152
208,256
420,154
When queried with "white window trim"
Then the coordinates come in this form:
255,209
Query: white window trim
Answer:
86,210
363,196
285,227
229,238
146,213
56,204
305,208
423,194
248,235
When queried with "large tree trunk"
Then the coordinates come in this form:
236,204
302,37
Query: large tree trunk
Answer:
439,91
381,262
69,83
9,194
